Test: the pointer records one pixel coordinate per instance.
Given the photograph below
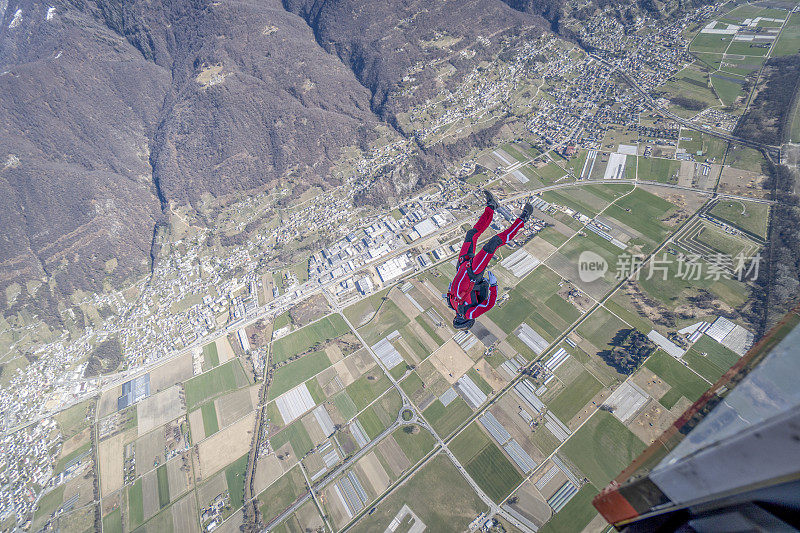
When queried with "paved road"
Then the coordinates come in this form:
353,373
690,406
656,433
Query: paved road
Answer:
285,301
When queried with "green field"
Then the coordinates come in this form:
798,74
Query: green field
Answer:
423,322
742,67
210,423
315,390
709,59
329,327
411,384
210,355
388,318
709,42
493,472
512,313
702,366
721,241
794,130
746,49
609,192
345,405
577,198
73,420
469,443
643,212
602,447
550,173
591,241
50,502
213,383
282,493
112,522
163,486
535,298
789,41
545,441
744,11
446,419
439,496
370,422
717,359
575,515
565,310
553,236
414,445
281,321
297,435
658,169
62,463
683,381
235,474
727,89
364,390
748,216
289,376
691,82
712,148
514,152
135,504
600,327
745,158
577,394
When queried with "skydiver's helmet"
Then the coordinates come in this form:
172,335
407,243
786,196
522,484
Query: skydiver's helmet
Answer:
491,278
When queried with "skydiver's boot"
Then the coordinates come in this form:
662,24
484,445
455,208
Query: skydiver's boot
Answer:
526,212
459,322
491,201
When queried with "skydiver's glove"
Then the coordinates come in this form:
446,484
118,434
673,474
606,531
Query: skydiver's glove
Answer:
526,212
491,201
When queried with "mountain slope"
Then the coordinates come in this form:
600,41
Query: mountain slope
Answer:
114,109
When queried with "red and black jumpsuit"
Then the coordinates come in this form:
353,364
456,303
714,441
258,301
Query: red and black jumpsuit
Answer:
470,294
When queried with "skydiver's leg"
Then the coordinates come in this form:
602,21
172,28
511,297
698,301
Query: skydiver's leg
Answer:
482,258
471,240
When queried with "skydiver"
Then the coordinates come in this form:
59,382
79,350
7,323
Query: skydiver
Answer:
471,294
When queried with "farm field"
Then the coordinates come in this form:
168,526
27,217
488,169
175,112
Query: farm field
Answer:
658,169
710,43
210,384
711,148
575,396
281,493
789,41
210,355
446,419
748,216
745,158
683,381
602,447
576,514
328,327
292,374
437,494
414,441
493,472
485,463
728,87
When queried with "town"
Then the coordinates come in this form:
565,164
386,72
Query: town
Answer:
329,317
